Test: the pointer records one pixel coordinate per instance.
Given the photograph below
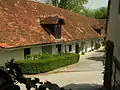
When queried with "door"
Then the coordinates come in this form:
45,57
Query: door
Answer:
77,48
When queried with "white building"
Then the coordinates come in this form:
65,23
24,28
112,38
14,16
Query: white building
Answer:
113,34
37,28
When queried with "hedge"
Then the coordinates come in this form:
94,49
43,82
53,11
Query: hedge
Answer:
45,63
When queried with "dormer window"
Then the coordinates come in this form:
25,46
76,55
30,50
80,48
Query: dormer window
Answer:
97,29
52,24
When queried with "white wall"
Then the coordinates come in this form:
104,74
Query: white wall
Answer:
36,50
113,32
88,45
67,46
80,47
8,54
73,44
54,49
84,45
63,47
17,54
93,45
73,47
101,41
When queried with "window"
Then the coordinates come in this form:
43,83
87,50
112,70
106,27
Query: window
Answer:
57,31
54,29
98,31
70,48
26,52
47,49
50,28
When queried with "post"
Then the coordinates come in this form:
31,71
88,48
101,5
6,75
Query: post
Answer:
108,65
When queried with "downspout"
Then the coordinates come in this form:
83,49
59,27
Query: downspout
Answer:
107,18
109,55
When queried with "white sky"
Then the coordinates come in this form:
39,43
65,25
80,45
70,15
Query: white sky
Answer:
93,4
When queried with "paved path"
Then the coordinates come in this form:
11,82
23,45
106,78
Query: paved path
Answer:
86,74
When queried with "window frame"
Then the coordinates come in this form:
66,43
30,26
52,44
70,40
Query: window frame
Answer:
27,51
70,47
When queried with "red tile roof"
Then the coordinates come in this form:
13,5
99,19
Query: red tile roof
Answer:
102,22
19,24
49,20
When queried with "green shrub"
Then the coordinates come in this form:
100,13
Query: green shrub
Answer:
44,63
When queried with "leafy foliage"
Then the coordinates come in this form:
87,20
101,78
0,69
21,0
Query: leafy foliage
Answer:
100,13
44,63
55,2
72,5
88,13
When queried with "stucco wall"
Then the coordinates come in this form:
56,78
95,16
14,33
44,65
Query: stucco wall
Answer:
66,47
36,50
93,45
54,49
84,45
8,54
101,41
113,32
63,47
18,54
73,47
88,46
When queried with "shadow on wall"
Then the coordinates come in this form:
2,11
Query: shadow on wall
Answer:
83,86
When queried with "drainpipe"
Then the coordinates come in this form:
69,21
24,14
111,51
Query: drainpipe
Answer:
109,56
107,18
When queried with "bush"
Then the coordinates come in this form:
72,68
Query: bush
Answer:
44,63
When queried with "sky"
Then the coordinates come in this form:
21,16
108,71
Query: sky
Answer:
93,4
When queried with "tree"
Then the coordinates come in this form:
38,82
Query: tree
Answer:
72,5
63,4
88,13
101,13
55,2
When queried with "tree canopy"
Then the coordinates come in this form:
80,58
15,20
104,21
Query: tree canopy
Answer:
100,13
72,5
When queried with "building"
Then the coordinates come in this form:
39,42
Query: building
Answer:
113,26
113,33
28,27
